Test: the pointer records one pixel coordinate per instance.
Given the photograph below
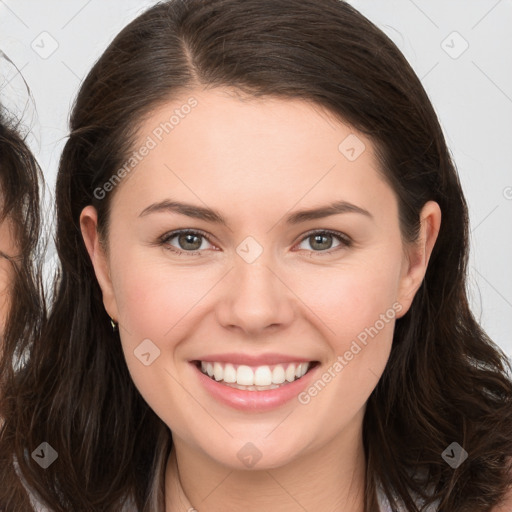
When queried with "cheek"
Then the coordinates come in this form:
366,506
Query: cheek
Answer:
157,305
154,300
352,296
6,276
355,308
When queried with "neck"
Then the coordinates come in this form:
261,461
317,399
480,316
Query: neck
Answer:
332,478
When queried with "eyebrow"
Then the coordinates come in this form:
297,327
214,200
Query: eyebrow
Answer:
211,215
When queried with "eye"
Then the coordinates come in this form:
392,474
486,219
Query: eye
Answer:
188,241
321,241
191,242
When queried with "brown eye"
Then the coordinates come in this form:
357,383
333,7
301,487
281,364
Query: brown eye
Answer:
321,242
187,241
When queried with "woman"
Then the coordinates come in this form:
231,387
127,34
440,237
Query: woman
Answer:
22,307
20,292
262,302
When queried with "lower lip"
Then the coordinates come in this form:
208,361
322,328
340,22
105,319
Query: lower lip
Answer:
254,400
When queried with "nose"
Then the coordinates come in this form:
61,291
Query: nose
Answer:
255,298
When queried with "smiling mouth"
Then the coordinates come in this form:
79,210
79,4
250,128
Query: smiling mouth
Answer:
255,378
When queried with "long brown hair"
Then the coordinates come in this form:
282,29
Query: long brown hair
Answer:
445,381
21,183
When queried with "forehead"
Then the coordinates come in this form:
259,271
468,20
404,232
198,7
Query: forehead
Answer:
217,145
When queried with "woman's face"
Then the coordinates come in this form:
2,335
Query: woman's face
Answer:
254,283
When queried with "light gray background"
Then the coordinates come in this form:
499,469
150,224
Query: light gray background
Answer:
55,43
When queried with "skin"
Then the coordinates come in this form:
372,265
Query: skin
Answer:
257,161
7,247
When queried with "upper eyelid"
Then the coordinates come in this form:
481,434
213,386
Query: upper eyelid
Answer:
172,234
328,231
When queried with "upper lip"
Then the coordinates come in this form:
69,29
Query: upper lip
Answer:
253,360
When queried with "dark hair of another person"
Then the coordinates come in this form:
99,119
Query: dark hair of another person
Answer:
445,380
20,176
20,179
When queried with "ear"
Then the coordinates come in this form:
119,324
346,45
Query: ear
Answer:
89,228
417,255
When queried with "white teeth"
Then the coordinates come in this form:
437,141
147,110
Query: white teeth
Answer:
278,375
244,376
263,376
229,373
253,388
218,371
301,369
254,378
290,373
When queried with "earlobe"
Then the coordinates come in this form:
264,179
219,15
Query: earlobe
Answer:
88,226
418,254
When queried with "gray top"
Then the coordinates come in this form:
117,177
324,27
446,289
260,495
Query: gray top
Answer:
384,505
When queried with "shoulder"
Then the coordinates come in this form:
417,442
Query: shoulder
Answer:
418,474
385,506
38,506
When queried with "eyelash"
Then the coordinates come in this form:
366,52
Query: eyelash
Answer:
345,241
